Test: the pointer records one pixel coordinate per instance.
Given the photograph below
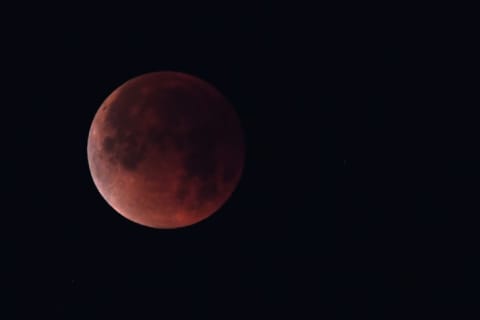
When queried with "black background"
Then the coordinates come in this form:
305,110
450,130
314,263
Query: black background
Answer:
359,196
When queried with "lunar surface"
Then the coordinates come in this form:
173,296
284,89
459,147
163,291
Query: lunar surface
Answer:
166,150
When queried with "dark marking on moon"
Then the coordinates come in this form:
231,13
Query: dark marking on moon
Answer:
182,192
108,144
208,190
229,172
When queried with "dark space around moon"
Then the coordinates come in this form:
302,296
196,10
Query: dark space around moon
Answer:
358,197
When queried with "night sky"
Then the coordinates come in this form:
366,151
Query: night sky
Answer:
359,196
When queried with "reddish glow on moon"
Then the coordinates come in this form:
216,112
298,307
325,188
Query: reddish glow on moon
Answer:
166,150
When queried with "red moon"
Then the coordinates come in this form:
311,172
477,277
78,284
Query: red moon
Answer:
166,150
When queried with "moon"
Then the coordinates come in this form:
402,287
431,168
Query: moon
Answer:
166,150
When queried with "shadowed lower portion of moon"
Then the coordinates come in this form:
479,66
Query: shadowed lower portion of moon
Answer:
166,150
